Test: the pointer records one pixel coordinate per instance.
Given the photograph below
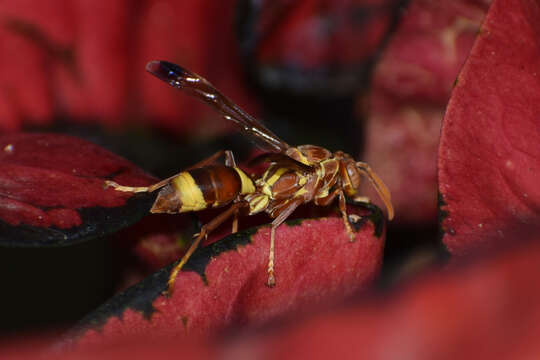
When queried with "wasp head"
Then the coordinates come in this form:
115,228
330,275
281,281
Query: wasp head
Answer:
352,174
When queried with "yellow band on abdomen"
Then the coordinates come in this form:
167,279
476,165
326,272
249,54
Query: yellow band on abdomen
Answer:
189,193
247,183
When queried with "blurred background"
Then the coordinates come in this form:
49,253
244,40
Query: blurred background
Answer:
370,77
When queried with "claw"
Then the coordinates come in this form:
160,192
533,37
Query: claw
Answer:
271,280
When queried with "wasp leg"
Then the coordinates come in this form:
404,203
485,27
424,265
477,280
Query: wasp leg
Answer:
229,161
325,201
235,222
343,210
379,186
205,230
278,221
138,189
271,282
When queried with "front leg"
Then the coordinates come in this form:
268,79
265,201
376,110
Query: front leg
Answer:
343,210
327,200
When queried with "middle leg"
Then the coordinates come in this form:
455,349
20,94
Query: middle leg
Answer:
205,230
283,215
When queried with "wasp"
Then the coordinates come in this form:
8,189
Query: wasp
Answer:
296,174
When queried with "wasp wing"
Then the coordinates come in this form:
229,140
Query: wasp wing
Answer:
202,89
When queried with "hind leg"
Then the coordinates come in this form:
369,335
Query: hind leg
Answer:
229,161
205,230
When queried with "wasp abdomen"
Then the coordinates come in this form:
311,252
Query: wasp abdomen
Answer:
201,188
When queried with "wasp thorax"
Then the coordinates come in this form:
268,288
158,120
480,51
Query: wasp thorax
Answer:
309,154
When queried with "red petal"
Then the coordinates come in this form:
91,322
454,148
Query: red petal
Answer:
488,310
224,284
489,157
31,39
56,182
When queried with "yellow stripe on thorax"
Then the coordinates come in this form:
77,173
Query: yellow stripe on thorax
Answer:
268,183
189,193
301,157
247,183
258,203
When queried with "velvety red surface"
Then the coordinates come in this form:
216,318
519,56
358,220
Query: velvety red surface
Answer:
315,263
489,156
480,309
45,179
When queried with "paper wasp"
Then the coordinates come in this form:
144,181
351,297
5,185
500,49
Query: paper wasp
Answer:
295,176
